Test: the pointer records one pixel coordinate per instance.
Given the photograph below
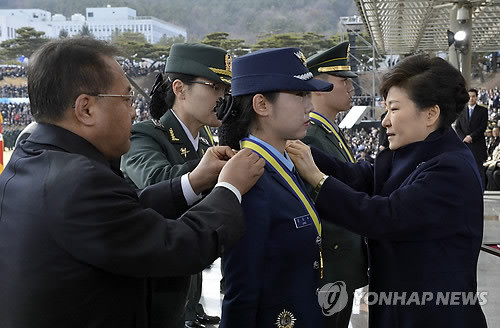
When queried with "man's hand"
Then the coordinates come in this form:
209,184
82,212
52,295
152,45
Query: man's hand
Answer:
243,170
204,176
468,139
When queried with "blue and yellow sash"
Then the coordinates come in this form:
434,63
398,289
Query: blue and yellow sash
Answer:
210,136
320,119
286,175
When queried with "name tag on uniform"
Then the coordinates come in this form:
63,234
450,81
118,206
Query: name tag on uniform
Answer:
303,221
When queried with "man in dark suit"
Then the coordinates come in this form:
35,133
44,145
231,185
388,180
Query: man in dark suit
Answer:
344,255
76,241
470,127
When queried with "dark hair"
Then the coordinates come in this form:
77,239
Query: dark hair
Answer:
428,82
61,70
237,118
473,90
163,97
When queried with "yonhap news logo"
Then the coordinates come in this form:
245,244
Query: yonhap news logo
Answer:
423,298
333,297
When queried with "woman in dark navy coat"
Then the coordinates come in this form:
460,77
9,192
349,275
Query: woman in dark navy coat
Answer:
420,206
272,275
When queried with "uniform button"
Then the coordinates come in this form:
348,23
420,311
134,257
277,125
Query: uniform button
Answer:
317,291
335,246
316,265
318,241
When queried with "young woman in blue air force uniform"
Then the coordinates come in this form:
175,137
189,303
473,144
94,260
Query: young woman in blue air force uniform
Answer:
273,273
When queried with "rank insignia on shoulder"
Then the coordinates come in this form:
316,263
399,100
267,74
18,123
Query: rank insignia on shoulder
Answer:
285,319
172,135
158,123
205,141
184,152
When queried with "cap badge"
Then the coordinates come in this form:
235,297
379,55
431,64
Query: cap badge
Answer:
285,320
301,56
229,63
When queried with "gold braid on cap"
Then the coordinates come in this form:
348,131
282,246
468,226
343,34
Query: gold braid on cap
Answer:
229,67
221,71
334,68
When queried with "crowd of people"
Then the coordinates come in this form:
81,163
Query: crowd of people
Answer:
490,98
363,100
12,71
142,68
13,91
363,142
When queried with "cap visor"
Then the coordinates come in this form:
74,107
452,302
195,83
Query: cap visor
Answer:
344,74
319,85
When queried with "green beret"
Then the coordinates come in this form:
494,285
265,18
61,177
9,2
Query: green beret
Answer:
200,60
334,61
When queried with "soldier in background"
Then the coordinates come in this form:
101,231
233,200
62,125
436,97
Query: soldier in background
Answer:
344,252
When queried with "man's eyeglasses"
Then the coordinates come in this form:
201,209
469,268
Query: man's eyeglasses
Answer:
131,97
217,87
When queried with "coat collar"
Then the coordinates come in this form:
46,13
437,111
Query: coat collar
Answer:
393,167
332,138
169,123
55,136
174,130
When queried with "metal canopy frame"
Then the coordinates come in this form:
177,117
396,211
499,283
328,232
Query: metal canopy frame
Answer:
410,26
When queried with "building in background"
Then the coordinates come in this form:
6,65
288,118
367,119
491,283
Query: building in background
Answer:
102,22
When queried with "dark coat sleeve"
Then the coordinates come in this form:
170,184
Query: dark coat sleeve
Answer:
358,176
97,218
425,208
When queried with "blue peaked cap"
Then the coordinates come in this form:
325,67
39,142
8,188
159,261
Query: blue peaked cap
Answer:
269,70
